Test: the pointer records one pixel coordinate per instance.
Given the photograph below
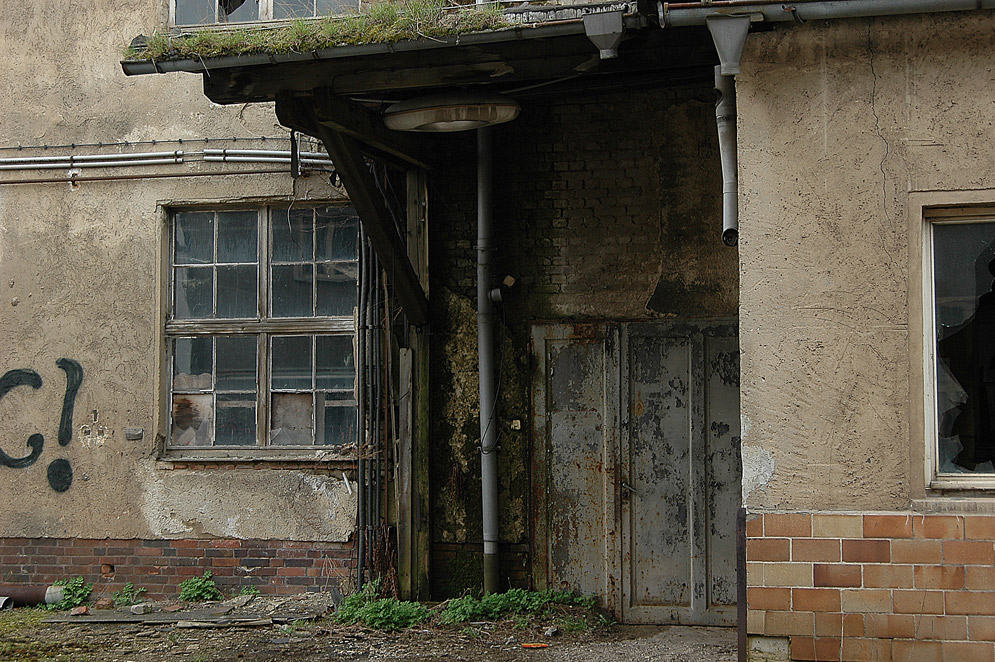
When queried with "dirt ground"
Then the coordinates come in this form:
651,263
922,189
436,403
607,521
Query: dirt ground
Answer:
264,631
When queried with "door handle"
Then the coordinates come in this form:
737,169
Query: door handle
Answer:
627,487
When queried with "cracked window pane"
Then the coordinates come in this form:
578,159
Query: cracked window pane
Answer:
237,240
237,292
236,425
337,234
194,238
194,292
964,308
293,287
291,367
334,363
236,363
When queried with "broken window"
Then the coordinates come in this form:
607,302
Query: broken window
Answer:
963,310
261,328
205,12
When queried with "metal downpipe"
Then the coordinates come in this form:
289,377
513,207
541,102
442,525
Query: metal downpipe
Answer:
363,408
725,119
485,352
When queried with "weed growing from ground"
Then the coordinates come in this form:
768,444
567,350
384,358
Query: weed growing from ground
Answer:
75,591
199,589
366,607
128,595
249,590
515,601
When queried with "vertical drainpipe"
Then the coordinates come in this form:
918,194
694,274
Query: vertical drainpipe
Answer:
725,118
361,378
485,349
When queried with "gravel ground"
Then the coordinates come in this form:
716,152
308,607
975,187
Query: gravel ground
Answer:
195,637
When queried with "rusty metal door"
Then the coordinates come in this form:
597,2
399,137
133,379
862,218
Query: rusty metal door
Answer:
637,466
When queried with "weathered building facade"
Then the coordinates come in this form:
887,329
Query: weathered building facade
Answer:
92,483
841,340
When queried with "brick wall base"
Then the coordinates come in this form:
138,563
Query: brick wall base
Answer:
273,566
873,586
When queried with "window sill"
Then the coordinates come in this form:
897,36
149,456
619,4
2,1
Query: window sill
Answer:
956,502
212,456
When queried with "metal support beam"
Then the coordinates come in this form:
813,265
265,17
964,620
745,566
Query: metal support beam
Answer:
377,222
355,121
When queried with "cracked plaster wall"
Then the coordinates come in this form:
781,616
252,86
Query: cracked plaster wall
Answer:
840,122
79,279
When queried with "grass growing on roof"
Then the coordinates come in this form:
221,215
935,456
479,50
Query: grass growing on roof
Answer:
386,22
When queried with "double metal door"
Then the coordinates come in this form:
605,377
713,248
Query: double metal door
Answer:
637,465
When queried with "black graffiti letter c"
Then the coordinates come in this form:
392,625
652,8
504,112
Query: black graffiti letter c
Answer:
9,380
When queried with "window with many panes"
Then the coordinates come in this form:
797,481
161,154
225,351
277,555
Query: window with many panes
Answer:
260,329
960,288
203,12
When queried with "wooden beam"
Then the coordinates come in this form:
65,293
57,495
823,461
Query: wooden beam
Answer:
369,204
357,122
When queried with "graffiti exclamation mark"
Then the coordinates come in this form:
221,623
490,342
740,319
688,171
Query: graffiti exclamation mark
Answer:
60,472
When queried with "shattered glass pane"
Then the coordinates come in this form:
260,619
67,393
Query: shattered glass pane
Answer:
192,424
193,363
334,364
194,293
291,418
236,425
293,9
337,234
237,236
964,307
292,290
337,288
293,235
291,363
236,363
194,238
237,292
235,11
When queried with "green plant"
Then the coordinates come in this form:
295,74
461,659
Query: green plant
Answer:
387,21
521,621
75,591
514,601
128,595
199,589
366,607
573,623
249,590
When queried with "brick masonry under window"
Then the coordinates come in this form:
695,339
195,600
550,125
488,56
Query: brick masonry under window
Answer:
282,567
873,586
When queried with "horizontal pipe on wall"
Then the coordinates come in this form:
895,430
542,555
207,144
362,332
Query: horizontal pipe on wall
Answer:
73,158
64,165
687,13
118,178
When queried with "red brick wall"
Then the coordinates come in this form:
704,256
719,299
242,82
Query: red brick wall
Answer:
873,587
274,566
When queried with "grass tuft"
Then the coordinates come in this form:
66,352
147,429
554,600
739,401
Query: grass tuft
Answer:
385,22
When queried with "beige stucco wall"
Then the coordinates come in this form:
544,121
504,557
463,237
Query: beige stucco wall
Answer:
80,279
845,129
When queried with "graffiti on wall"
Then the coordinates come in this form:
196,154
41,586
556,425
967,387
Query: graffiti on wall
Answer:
60,471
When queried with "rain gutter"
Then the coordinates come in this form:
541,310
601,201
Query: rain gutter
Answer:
560,28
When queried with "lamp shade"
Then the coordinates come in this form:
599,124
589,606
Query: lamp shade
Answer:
450,112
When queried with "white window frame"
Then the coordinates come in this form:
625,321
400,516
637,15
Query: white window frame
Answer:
934,479
263,327
264,14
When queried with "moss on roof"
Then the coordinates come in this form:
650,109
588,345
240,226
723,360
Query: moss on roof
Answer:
386,22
